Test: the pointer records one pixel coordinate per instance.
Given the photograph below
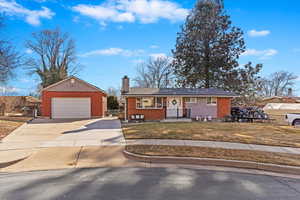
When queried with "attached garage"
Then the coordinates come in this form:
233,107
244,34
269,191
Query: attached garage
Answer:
73,98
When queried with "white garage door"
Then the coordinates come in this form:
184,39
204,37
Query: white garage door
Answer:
71,108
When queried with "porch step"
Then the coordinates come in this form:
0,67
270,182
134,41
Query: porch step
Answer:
177,120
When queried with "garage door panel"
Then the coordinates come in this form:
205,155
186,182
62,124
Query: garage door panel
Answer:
71,108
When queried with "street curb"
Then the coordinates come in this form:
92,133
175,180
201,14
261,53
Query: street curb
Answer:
214,162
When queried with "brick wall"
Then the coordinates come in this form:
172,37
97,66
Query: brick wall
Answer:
96,101
150,114
224,107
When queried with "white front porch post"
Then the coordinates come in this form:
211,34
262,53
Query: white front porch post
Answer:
125,110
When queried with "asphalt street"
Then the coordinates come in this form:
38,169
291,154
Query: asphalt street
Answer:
145,184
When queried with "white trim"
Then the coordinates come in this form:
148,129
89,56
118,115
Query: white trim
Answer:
149,95
125,110
74,77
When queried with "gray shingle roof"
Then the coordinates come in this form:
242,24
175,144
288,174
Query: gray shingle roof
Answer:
179,92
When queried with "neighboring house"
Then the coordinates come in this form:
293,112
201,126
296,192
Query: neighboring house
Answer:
277,99
163,103
282,106
13,105
73,98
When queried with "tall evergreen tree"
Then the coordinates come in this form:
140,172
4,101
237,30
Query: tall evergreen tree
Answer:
208,47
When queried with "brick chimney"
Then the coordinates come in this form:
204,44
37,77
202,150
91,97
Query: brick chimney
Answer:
125,85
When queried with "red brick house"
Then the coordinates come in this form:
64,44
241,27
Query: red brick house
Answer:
164,103
73,98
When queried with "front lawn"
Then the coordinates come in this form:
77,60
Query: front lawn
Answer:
250,133
8,124
217,153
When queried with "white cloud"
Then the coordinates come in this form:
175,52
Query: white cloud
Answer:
154,46
120,27
76,19
161,55
262,54
158,55
138,61
6,90
145,11
296,50
32,17
25,80
255,33
114,52
28,51
104,13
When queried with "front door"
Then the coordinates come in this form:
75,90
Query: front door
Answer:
174,107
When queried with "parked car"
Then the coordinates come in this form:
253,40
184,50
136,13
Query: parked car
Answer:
293,119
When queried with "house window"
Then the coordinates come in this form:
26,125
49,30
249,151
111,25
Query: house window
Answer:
191,100
201,100
149,102
211,101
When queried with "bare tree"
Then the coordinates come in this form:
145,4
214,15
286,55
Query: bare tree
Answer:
156,73
112,91
10,59
54,56
277,84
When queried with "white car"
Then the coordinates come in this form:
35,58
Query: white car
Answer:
293,119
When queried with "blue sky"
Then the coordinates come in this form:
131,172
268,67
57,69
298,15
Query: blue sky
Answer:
112,37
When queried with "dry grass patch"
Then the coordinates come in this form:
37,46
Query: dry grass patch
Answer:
217,153
249,133
7,125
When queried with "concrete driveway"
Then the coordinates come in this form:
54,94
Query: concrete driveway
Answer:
43,133
103,132
65,133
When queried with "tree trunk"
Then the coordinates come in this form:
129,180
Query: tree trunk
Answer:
207,84
206,70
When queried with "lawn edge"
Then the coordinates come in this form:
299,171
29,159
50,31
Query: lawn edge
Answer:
286,169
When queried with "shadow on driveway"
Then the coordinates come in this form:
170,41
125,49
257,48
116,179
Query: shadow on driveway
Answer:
98,125
54,121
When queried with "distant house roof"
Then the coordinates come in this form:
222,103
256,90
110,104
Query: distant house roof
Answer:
279,99
282,106
179,92
32,99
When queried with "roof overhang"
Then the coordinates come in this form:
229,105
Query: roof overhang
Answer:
78,79
176,95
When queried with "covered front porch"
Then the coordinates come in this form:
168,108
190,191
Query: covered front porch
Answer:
190,108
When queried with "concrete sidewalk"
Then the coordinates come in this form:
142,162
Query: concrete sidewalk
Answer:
214,144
